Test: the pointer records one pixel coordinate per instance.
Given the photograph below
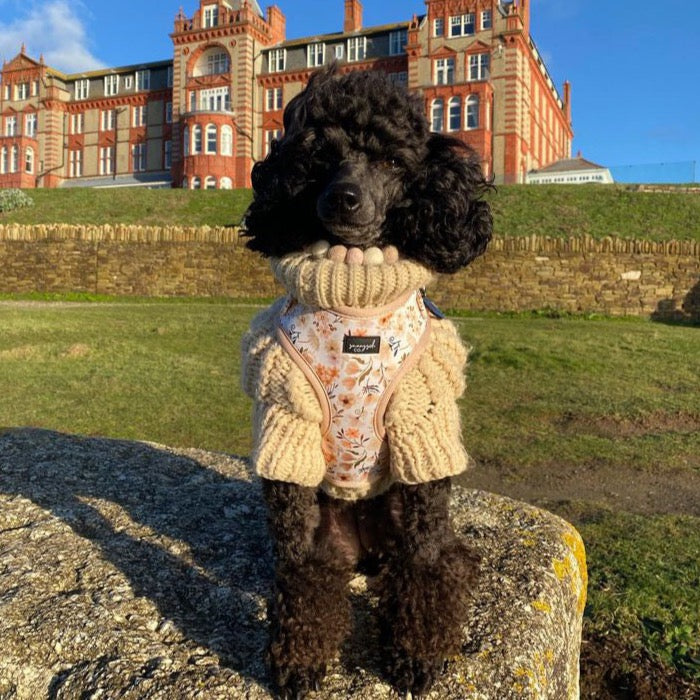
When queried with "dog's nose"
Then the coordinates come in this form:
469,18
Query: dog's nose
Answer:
344,197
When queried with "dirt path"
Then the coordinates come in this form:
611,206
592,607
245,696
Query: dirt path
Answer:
631,490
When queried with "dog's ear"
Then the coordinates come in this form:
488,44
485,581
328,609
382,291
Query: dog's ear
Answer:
281,217
445,223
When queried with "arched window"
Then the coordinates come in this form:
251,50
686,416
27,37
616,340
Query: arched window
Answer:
437,115
196,183
211,138
225,183
29,160
186,140
454,114
4,164
210,183
14,165
196,139
226,140
472,117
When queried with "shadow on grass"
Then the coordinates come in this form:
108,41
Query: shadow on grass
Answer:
188,536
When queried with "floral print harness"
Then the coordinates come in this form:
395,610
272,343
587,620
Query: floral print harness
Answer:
354,358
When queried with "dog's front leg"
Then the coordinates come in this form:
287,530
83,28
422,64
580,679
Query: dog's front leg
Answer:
426,586
309,611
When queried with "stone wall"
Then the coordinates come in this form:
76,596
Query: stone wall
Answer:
611,276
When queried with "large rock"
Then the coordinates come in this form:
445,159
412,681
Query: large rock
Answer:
133,570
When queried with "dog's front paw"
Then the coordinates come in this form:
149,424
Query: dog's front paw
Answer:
414,677
297,683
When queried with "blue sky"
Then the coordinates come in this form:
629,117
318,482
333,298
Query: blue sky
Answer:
634,65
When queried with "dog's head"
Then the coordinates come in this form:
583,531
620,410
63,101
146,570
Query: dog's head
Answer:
357,165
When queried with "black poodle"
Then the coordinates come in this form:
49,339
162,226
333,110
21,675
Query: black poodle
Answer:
357,202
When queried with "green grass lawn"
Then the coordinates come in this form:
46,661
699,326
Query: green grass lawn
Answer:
545,210
543,393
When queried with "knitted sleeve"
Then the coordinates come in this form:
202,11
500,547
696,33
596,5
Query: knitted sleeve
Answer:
422,418
286,415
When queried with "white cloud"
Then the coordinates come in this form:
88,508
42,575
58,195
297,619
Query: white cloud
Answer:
52,28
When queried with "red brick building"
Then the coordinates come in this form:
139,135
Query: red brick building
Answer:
202,118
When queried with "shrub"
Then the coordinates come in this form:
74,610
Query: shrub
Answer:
14,199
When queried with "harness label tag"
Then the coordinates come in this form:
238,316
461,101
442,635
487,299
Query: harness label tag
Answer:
361,344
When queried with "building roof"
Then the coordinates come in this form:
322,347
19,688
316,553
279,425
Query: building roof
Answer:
236,5
566,165
337,36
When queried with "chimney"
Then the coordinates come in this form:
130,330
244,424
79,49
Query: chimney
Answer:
353,16
567,101
278,24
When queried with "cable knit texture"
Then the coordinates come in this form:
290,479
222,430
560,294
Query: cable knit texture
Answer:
422,417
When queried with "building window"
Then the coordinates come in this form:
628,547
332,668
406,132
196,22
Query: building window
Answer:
167,155
212,137
14,165
29,160
445,71
76,164
10,126
30,122
209,183
169,78
400,78
486,19
3,161
226,140
397,42
462,25
82,89
193,101
186,140
138,157
339,51
22,91
111,85
357,48
168,112
215,100
128,82
479,66
196,140
35,88
77,123
225,183
315,55
277,60
196,183
108,119
211,15
439,26
106,164
273,99
454,114
271,136
138,115
472,117
437,113
218,63
143,79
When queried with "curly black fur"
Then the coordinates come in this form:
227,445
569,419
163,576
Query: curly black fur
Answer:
358,165
433,212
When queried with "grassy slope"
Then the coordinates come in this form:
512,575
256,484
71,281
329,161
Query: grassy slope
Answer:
168,372
546,210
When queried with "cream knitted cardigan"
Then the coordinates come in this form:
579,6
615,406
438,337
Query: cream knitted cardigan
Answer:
421,420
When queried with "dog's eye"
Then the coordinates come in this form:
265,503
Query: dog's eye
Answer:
389,164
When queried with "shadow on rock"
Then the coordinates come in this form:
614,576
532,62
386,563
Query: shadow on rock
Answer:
163,549
667,310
